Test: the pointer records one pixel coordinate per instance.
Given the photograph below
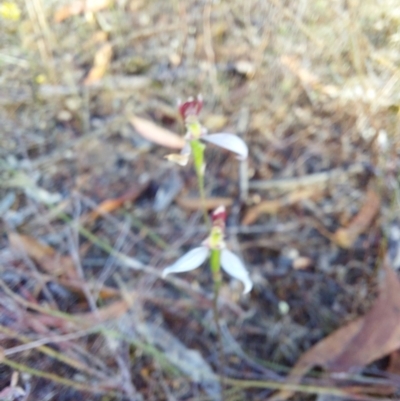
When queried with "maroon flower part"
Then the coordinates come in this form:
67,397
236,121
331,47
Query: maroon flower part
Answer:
218,217
192,107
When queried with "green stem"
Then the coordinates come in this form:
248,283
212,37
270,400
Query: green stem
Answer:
216,275
199,166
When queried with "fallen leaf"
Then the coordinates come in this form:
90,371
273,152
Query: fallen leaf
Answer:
110,205
78,287
198,204
345,237
360,342
59,267
394,363
265,207
380,331
79,7
50,261
101,63
273,206
110,312
156,134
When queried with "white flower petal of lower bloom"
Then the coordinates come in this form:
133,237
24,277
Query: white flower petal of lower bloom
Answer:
235,267
230,142
189,261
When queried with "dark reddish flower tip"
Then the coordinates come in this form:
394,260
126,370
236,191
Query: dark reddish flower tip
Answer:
219,215
192,107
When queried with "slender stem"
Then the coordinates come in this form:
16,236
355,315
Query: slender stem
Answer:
216,275
199,166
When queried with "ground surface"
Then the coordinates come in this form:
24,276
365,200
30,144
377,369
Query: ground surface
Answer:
312,87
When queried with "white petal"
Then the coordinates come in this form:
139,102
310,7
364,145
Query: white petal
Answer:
230,142
189,261
235,267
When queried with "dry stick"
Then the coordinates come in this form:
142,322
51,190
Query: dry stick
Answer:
323,178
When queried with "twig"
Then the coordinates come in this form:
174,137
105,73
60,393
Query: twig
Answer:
312,179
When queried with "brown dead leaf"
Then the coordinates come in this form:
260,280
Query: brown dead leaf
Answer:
78,287
360,342
50,261
156,134
273,206
101,63
394,363
110,205
109,312
79,7
61,268
265,207
345,237
380,331
209,204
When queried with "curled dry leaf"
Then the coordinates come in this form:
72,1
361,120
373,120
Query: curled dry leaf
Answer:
79,7
209,203
345,237
360,342
156,134
101,63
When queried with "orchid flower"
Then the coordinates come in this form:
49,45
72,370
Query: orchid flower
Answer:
190,111
213,247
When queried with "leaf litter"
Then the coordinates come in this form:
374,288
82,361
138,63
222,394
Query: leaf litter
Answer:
310,227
